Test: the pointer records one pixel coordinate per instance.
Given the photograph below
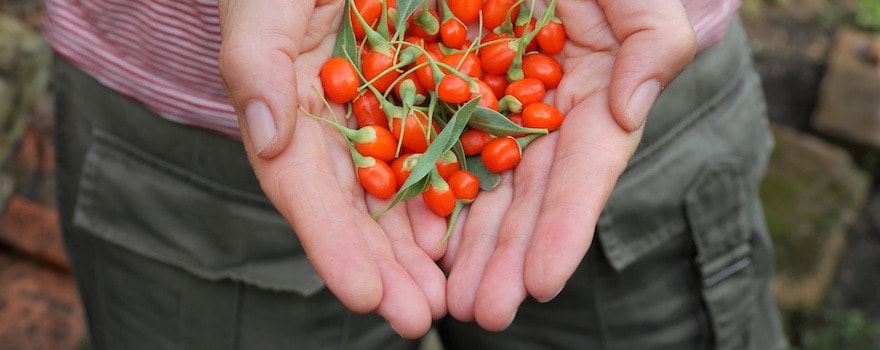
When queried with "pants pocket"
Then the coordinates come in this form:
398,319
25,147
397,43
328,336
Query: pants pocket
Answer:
147,205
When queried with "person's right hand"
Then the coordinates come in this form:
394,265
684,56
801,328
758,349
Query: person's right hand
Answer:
271,55
528,236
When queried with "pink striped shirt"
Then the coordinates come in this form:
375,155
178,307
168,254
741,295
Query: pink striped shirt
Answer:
164,53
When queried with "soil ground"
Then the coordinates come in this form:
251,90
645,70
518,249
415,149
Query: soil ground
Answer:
790,41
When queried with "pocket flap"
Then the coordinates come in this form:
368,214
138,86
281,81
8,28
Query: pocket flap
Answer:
161,211
718,220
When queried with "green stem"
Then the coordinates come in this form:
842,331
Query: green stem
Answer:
506,27
524,141
376,40
453,218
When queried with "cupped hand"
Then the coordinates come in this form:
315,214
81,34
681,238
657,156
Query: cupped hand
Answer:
528,236
271,55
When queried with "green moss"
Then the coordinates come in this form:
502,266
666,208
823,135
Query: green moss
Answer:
868,15
804,198
850,330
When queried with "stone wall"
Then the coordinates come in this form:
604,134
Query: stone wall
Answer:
24,62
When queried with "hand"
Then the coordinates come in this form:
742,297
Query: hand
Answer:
528,236
272,51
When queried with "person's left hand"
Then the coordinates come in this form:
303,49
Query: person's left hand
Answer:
271,55
528,235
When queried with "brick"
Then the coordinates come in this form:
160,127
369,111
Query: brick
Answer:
34,230
39,306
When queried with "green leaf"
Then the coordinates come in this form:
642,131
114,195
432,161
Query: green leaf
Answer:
346,43
405,193
405,9
443,142
453,218
497,124
418,179
488,179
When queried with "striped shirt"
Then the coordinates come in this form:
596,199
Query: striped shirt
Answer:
164,53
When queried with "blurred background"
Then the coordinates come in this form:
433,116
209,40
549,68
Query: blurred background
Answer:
820,63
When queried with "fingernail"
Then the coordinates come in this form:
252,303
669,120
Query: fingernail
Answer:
512,317
260,125
641,101
547,300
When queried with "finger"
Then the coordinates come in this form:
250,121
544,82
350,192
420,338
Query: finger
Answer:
421,268
260,45
657,43
479,237
428,228
591,153
403,304
305,189
502,288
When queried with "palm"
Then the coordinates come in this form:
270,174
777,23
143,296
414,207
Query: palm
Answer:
370,265
528,235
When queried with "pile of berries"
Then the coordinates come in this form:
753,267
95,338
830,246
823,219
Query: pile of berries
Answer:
444,99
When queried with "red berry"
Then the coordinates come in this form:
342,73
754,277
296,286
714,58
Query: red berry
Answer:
453,33
453,89
526,91
339,80
465,185
377,178
382,145
496,58
440,200
468,11
542,115
551,38
542,67
501,154
496,11
473,141
403,166
368,110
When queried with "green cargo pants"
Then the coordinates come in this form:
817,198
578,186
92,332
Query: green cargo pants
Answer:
174,246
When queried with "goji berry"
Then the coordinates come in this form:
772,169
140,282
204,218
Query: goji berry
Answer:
377,67
403,166
453,32
496,57
368,110
526,91
453,89
466,10
416,136
501,154
497,82
551,38
447,164
542,115
376,178
370,11
542,67
467,63
465,185
339,80
496,11
473,141
487,97
439,197
376,141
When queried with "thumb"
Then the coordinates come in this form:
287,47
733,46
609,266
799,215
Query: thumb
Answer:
260,42
657,43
